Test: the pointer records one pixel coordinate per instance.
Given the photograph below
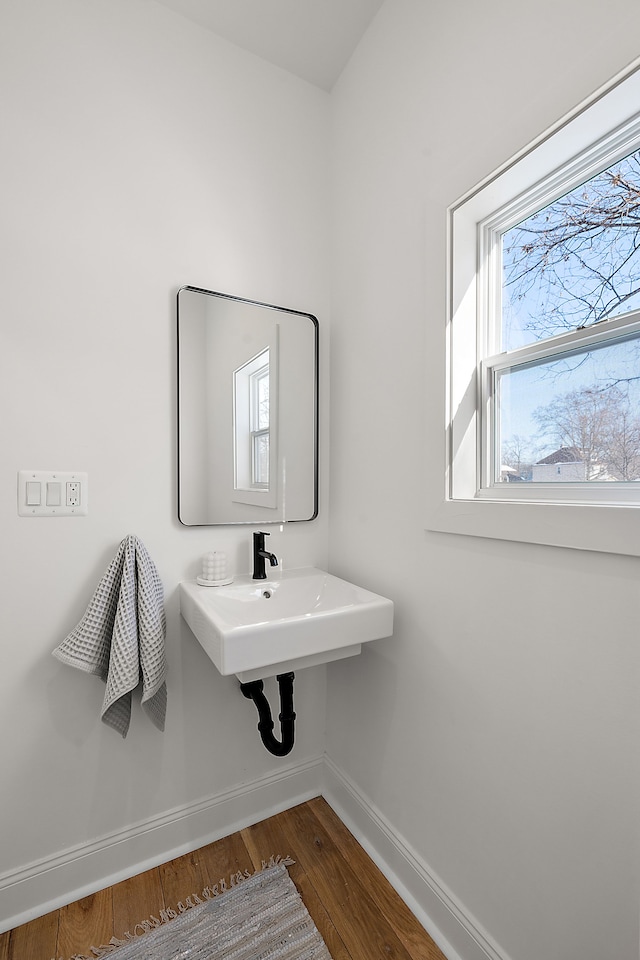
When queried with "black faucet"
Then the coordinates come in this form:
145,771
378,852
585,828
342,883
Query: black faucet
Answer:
260,555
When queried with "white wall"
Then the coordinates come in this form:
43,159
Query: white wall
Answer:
493,741
495,738
139,153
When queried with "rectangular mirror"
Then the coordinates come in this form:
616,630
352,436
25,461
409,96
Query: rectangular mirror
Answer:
247,411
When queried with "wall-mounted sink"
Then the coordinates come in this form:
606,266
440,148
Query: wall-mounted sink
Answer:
260,628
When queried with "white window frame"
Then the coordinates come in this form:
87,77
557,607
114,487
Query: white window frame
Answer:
256,432
244,490
602,130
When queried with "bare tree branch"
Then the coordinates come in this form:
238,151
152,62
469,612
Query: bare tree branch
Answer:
577,261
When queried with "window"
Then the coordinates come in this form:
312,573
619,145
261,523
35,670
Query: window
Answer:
259,424
543,419
255,419
561,396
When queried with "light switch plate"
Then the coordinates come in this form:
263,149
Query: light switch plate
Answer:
38,488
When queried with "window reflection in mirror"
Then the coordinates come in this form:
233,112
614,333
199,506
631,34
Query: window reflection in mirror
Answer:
259,436
255,428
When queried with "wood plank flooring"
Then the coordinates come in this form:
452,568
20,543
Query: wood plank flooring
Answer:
355,909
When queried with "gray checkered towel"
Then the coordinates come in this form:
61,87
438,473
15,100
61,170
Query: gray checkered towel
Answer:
121,637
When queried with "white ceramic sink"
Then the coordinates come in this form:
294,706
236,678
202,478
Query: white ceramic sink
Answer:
259,628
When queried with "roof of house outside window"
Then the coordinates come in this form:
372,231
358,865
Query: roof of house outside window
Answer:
564,455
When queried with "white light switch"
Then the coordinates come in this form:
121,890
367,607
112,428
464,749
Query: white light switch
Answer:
34,495
53,493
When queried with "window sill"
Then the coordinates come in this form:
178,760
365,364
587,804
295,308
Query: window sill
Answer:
606,528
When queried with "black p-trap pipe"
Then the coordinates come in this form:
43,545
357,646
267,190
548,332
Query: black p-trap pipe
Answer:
255,691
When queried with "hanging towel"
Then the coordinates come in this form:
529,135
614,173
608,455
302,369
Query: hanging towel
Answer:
121,637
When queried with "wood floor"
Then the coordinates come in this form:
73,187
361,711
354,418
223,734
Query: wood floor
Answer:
355,909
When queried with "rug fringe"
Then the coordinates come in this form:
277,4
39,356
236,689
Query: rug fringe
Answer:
209,893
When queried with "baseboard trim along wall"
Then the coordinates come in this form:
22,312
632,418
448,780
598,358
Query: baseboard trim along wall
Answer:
457,933
52,882
78,872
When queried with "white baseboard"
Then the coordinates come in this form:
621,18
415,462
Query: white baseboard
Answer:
75,873
457,933
78,872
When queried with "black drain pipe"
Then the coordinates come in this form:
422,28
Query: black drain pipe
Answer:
254,691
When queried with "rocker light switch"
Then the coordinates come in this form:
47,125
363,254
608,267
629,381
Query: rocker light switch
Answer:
53,493
33,493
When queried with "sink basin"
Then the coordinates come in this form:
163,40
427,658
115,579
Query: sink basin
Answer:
259,628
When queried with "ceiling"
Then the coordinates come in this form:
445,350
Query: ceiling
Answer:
312,39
